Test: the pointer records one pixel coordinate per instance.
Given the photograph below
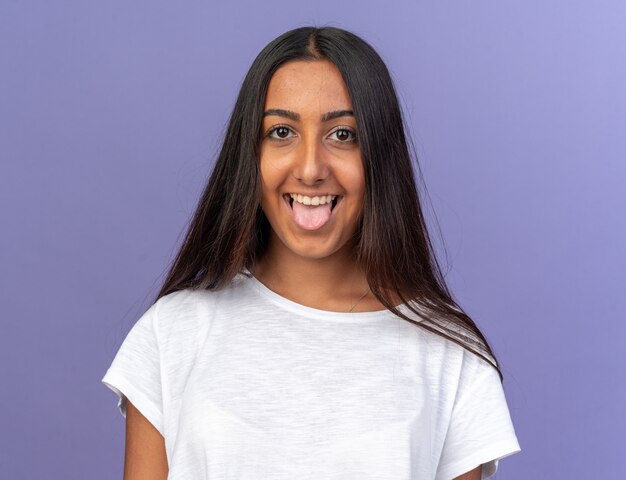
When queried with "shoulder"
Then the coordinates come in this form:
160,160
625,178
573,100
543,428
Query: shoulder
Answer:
189,312
443,362
455,358
193,296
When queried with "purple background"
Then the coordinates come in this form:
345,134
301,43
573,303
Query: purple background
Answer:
110,117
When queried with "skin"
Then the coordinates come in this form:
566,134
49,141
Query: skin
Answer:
145,457
313,268
310,155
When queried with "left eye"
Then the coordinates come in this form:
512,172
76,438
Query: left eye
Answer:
344,135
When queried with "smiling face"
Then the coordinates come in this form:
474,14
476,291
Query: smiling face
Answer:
309,149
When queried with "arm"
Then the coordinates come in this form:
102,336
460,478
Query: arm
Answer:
471,475
145,457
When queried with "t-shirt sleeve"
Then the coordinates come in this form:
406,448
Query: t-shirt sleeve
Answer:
135,373
480,431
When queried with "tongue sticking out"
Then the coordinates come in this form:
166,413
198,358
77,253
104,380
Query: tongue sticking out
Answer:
311,217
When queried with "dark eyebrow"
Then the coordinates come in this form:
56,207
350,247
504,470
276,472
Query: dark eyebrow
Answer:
336,114
296,117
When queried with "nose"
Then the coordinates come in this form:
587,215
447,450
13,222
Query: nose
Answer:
311,166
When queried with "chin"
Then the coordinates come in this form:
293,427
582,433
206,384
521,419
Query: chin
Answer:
317,252
315,249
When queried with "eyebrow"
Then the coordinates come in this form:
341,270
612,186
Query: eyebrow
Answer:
296,117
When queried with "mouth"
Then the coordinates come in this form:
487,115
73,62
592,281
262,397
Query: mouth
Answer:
311,216
290,198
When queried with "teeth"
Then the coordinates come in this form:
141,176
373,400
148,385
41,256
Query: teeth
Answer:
318,200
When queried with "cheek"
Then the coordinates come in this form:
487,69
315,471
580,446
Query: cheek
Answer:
271,180
355,177
358,188
273,168
268,176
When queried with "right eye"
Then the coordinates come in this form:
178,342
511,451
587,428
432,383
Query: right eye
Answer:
279,132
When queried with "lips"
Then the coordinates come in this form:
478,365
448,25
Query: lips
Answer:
311,217
334,203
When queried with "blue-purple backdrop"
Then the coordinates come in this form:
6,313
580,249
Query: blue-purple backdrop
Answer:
110,117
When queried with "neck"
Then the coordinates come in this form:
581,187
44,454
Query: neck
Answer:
334,282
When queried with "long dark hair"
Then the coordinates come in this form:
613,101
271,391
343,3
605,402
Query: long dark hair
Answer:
229,231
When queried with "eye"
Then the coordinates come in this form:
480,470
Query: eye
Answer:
345,135
281,131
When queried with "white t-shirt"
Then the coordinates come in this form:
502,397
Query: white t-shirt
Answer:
245,384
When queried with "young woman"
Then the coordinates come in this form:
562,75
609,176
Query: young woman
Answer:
305,329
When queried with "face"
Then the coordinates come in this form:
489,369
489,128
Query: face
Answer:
312,175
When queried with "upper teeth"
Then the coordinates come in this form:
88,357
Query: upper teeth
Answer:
321,200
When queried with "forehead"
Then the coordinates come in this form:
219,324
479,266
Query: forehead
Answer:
308,86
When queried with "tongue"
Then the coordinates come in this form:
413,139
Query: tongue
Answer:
311,217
